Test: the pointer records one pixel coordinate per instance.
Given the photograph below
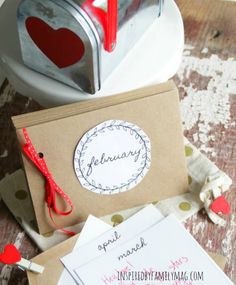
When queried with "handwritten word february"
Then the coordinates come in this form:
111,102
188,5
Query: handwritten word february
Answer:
105,159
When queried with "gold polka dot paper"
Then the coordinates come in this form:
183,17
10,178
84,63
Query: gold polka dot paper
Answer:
185,206
117,219
188,151
21,194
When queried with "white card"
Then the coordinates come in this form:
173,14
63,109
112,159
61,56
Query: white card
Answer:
166,251
113,157
92,228
112,238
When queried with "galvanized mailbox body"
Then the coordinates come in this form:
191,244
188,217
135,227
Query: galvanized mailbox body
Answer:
81,42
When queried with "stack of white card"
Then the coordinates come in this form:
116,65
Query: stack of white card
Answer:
146,249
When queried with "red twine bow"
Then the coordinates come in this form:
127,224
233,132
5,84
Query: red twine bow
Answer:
52,189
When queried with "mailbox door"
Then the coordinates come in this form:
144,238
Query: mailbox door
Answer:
57,40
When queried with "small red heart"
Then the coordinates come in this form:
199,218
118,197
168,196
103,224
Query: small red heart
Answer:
63,47
220,205
10,255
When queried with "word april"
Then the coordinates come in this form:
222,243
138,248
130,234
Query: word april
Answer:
110,241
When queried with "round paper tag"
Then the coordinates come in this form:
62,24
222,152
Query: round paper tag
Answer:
113,157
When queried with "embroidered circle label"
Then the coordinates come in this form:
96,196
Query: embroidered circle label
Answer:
113,157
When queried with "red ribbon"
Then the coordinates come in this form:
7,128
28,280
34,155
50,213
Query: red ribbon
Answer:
51,188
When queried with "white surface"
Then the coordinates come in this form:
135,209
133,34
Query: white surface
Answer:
92,229
164,247
120,149
162,43
101,246
210,107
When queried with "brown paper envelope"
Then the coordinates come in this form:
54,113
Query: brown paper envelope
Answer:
56,132
50,259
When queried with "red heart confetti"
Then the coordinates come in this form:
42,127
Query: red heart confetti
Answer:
220,206
63,47
10,255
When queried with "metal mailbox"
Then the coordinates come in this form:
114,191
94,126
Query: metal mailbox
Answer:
80,42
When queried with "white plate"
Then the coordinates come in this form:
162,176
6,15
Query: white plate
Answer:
154,59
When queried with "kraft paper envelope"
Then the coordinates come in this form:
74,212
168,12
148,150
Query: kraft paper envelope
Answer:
56,132
50,259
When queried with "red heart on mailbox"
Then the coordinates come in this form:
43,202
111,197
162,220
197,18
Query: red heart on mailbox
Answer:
63,47
10,255
220,205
